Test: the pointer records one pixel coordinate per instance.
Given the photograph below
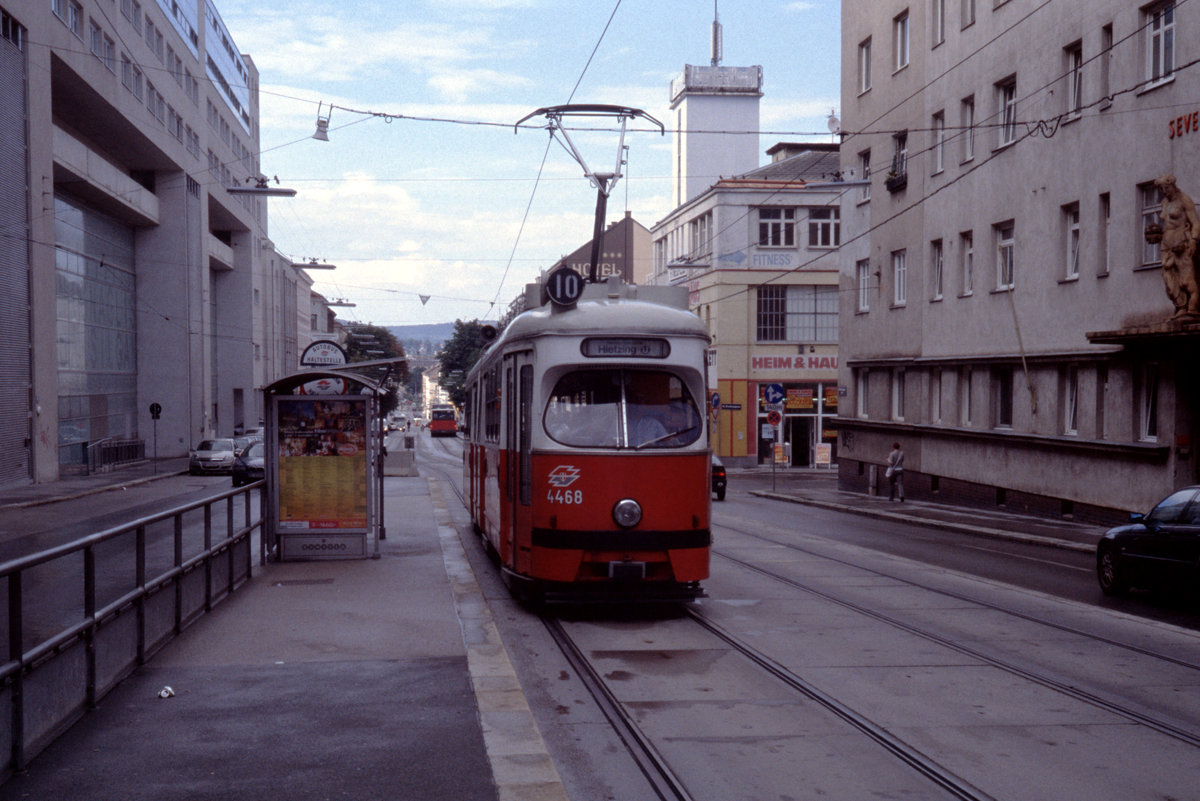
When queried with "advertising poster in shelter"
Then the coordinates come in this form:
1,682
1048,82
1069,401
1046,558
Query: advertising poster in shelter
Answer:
322,464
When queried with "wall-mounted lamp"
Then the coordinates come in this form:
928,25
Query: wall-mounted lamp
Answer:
322,133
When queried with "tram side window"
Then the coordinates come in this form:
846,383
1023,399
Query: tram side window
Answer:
491,406
622,409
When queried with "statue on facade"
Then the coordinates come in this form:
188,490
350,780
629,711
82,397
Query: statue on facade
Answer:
1177,237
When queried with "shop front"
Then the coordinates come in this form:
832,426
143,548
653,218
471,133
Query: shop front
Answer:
804,436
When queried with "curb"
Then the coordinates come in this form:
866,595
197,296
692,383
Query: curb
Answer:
84,492
962,528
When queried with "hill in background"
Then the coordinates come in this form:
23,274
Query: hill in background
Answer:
418,339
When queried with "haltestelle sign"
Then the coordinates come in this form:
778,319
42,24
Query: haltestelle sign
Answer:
323,353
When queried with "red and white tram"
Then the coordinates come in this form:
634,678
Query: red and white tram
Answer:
587,459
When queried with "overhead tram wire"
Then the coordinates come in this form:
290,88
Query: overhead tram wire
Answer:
545,155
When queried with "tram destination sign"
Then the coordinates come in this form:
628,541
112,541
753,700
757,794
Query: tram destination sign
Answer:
629,347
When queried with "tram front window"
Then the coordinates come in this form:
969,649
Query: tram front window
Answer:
622,409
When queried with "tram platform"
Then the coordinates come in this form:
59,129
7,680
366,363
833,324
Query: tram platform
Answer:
358,679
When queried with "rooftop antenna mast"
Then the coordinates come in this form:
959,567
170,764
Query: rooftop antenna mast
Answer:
603,181
716,38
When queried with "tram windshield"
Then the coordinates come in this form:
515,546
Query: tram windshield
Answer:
622,409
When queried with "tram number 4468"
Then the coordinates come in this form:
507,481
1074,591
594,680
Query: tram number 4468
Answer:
571,497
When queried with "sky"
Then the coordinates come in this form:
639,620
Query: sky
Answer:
425,197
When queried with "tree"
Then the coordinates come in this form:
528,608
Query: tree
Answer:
458,356
370,343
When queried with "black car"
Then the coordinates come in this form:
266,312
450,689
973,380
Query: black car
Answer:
248,466
718,478
1156,549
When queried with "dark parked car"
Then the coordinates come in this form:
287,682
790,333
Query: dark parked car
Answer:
241,443
248,466
718,478
212,456
1156,549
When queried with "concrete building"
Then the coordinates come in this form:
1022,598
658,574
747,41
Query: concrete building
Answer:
758,253
1003,315
134,276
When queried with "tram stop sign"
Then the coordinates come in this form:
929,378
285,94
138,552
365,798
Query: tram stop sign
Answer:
564,286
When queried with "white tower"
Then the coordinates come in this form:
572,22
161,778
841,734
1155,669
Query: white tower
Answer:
716,122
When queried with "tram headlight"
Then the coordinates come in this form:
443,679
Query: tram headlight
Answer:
627,513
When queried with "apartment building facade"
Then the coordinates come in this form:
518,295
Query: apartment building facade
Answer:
758,253
1003,314
137,277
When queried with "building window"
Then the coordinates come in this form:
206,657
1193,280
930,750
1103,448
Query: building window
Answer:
968,13
899,155
1074,78
1071,239
899,277
966,241
861,385
1149,403
938,21
95,38
966,378
71,14
700,230
1005,262
862,272
897,394
1105,219
1002,381
967,121
864,166
1160,42
900,40
938,124
824,227
1071,401
1006,107
1151,204
133,12
935,396
776,228
797,313
864,65
936,268
1106,44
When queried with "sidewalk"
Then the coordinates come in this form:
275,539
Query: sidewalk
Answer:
80,486
819,488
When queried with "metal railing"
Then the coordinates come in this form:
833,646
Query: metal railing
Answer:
107,453
84,615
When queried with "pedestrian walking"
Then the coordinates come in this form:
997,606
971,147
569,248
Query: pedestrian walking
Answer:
895,473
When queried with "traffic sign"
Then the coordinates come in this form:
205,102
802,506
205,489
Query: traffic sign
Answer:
773,393
155,411
774,418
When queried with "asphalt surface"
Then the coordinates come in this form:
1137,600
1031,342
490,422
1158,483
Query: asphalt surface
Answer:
365,679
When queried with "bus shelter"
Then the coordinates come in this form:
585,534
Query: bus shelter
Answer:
322,465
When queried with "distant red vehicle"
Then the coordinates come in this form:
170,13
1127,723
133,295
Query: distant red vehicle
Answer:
443,423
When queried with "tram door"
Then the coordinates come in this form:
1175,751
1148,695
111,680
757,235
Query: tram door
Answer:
518,389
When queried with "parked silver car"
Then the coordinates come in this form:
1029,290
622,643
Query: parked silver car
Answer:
212,456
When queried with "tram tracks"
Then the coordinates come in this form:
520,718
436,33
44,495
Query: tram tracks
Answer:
640,732
1188,736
